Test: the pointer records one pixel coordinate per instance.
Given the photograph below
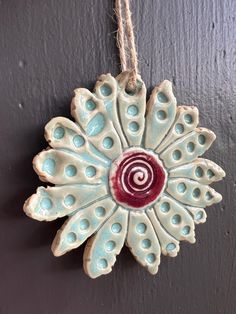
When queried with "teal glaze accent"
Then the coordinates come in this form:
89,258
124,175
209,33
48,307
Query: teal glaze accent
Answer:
181,187
132,110
165,207
201,139
208,196
71,171
100,211
186,230
199,172
190,147
162,97
188,118
116,228
90,171
46,203
177,154
107,142
141,228
179,128
170,247
84,224
106,90
49,166
69,200
199,215
71,237
210,173
151,258
176,219
196,193
110,246
90,105
59,133
96,125
146,243
134,126
102,263
161,115
78,141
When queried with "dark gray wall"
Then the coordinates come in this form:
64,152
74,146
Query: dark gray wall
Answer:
50,47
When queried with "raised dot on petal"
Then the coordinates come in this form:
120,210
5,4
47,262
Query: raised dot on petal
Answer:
71,171
71,237
162,97
196,193
46,203
90,171
69,200
199,172
49,166
185,230
78,141
161,115
188,118
210,173
59,132
146,243
84,224
176,219
90,105
190,147
181,187
107,142
165,207
105,90
208,196
102,263
150,258
132,110
134,126
141,228
100,211
199,215
179,128
116,228
110,246
201,139
170,247
177,154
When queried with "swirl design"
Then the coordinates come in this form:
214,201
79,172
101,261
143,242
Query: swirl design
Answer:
137,179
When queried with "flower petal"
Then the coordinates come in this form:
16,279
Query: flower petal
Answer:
192,193
188,148
101,250
169,245
143,242
186,120
132,107
82,225
175,219
61,132
199,215
54,202
161,110
64,167
92,114
202,170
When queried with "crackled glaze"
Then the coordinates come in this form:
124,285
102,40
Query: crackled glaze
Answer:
123,177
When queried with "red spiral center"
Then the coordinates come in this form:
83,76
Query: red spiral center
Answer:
137,178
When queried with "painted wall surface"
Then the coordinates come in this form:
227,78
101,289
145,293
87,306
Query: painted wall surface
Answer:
47,49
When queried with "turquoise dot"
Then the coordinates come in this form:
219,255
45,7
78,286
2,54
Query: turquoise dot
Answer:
150,258
106,90
59,133
177,154
165,207
199,172
133,110
176,219
84,224
199,215
116,228
90,171
146,243
186,230
141,228
110,245
100,211
170,247
190,147
208,196
96,125
69,200
134,126
179,128
201,139
90,105
71,171
196,193
71,237
161,115
107,142
210,173
181,187
162,97
188,118
102,263
49,166
78,141
46,203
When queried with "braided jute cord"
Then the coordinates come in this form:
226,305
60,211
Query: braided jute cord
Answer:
126,42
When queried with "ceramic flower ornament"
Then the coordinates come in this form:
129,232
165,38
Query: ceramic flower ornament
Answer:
125,172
